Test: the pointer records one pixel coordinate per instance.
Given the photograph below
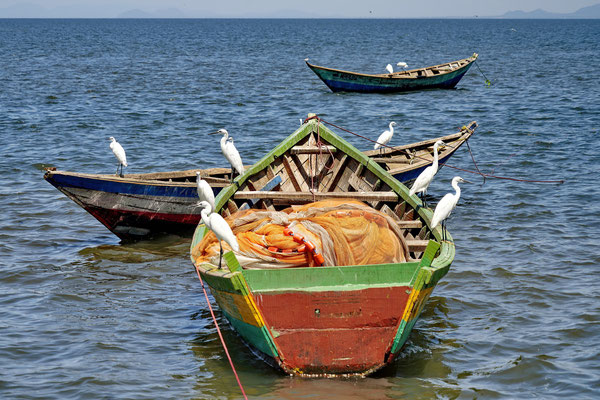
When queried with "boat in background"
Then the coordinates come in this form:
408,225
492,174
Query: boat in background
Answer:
140,206
442,76
327,320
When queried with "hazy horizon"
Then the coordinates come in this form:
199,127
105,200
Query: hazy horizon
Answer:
273,8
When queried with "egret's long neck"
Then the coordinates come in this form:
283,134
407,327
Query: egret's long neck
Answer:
204,214
391,128
435,157
457,188
224,141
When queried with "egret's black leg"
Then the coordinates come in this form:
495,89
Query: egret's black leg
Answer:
444,230
220,253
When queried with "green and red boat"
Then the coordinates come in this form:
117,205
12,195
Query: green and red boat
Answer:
329,320
441,76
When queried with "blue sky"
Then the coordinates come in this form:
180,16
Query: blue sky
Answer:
316,8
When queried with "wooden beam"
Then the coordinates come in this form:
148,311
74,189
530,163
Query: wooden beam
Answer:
312,149
417,246
303,196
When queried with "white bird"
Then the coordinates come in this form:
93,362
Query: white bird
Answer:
217,224
119,152
230,152
424,179
385,137
389,68
205,192
446,205
402,64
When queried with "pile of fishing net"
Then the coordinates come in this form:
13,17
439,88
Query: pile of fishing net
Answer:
328,232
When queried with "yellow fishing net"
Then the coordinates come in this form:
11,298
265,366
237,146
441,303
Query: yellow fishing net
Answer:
328,232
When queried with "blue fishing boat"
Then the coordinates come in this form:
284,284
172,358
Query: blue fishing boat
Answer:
442,76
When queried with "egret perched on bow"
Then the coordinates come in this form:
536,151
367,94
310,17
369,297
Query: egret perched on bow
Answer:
385,137
389,68
205,192
119,152
230,152
424,179
446,205
402,64
219,227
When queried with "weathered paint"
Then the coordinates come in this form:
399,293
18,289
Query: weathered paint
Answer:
131,209
333,332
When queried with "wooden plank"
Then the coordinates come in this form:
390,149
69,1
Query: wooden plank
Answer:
392,160
302,196
417,246
312,149
337,173
268,187
290,173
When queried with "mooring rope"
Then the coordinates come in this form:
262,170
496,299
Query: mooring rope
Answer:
221,336
487,81
478,172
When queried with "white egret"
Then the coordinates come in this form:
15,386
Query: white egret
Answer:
424,179
446,205
119,152
205,192
402,64
230,152
217,224
385,137
389,68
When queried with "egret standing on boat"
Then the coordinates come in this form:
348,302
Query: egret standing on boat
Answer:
402,64
230,152
385,137
205,192
389,68
217,224
446,205
424,179
119,152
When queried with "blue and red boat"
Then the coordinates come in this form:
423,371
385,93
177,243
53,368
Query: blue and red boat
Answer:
442,76
139,206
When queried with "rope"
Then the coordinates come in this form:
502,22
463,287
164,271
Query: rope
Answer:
220,335
487,81
478,172
473,158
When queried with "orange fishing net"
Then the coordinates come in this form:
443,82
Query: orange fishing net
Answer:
328,232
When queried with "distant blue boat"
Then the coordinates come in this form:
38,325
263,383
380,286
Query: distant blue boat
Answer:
442,76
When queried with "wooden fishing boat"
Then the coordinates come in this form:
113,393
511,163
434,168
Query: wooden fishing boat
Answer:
442,76
138,206
325,320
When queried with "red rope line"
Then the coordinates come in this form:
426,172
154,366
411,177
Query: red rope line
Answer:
220,335
449,166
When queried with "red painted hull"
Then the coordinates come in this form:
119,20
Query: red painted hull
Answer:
334,332
127,224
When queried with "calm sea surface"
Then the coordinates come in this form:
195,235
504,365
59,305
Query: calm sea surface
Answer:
83,316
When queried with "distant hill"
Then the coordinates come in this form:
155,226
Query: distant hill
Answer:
585,12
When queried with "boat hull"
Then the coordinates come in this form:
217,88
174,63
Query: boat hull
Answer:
130,209
346,81
345,321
